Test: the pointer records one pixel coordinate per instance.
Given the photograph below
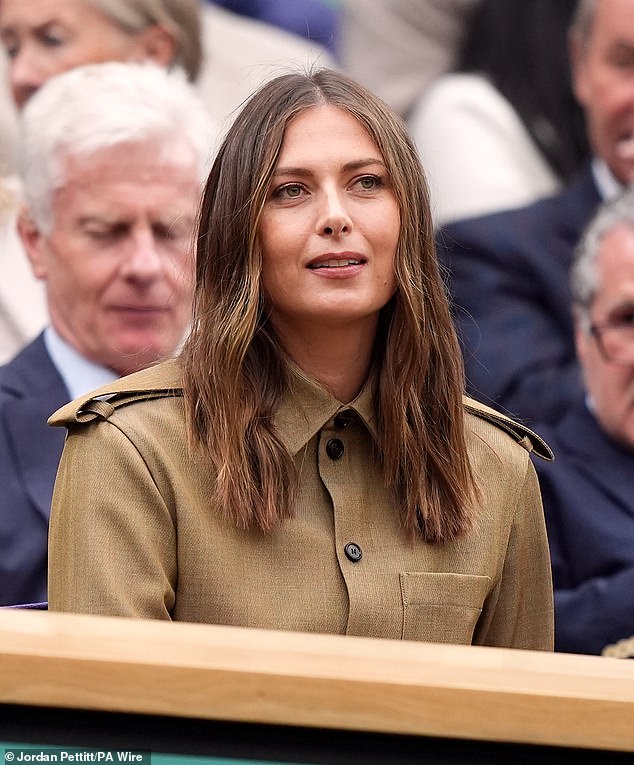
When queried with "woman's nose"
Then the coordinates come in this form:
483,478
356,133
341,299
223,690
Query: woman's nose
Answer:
25,77
335,219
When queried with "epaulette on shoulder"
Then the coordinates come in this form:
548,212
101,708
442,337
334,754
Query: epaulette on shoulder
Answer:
518,432
156,382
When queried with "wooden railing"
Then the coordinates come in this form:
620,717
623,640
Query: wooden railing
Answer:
209,672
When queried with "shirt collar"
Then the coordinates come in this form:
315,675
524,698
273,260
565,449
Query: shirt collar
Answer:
607,184
78,373
308,406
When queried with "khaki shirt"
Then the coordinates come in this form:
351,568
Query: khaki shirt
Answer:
133,532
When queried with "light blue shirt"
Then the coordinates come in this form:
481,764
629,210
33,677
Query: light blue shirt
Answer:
79,375
607,184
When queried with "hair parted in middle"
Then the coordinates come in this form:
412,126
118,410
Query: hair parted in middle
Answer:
234,369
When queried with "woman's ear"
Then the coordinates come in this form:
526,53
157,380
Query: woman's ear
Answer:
157,44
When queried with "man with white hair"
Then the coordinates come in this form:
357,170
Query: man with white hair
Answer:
112,159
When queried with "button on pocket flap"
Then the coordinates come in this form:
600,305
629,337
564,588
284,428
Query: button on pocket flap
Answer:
460,590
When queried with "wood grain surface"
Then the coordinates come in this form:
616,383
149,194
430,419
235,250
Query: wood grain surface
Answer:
249,675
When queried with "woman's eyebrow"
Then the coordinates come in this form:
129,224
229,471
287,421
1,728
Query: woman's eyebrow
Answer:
353,165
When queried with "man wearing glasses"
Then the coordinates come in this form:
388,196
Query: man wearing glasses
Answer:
588,491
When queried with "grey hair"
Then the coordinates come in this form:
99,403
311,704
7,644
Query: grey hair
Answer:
582,19
181,18
97,106
584,278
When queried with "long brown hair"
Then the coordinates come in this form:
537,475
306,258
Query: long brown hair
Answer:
234,371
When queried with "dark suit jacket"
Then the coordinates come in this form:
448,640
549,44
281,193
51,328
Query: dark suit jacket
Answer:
30,390
508,276
588,495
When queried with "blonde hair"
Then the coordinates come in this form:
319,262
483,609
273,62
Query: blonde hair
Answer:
234,369
181,18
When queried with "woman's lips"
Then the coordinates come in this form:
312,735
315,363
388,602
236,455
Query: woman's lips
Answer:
336,263
335,260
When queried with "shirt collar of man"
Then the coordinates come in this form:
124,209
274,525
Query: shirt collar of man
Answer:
308,407
78,373
606,182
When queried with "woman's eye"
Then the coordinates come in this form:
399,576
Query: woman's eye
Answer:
53,36
288,191
369,182
51,41
11,47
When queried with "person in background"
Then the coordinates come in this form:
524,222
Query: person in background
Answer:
588,491
397,48
504,128
508,271
225,55
22,297
316,20
43,38
316,407
112,176
242,53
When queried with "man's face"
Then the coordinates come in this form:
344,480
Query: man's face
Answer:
603,73
611,385
117,262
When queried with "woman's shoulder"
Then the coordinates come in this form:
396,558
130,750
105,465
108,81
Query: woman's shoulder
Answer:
162,381
501,433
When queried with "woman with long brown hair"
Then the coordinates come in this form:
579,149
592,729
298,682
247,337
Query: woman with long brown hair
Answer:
309,461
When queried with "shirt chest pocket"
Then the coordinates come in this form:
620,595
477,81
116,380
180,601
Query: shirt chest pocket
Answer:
442,608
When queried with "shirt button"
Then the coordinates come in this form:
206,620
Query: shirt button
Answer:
343,419
353,552
334,448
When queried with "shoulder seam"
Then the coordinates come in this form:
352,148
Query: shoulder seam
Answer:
103,406
523,435
106,406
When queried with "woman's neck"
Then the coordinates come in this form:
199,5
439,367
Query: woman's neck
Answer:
338,358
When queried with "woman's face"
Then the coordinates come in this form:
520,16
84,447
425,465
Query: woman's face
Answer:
330,225
43,38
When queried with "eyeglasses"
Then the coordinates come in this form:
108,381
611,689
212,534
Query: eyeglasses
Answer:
616,340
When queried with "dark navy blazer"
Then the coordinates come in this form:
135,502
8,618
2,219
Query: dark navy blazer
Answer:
588,494
508,277
31,389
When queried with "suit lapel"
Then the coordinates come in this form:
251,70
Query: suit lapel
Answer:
600,459
37,447
579,202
